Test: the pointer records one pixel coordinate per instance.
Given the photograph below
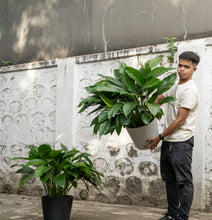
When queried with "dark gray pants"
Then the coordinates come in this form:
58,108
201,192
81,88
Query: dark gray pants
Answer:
176,158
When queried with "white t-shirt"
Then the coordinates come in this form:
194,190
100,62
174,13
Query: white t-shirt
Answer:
187,96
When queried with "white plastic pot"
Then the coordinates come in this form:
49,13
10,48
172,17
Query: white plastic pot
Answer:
141,134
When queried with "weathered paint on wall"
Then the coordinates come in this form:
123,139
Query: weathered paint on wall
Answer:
38,101
48,29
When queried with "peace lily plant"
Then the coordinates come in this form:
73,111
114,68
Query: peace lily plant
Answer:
127,99
58,170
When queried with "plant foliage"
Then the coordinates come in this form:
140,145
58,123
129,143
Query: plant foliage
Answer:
172,48
58,170
127,99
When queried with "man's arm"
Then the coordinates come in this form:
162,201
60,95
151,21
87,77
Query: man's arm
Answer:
159,99
177,123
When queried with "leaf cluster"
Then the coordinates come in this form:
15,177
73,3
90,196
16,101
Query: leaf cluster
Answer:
127,99
58,170
172,48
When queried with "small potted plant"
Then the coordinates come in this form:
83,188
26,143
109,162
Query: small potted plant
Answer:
127,99
59,171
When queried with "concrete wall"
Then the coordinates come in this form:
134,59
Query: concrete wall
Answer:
38,101
47,29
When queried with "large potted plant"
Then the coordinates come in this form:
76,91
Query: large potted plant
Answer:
127,100
59,171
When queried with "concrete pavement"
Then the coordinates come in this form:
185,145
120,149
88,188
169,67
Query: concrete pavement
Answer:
29,208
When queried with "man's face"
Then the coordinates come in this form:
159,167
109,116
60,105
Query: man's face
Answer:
185,70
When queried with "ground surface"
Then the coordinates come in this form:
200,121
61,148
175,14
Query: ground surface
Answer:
29,208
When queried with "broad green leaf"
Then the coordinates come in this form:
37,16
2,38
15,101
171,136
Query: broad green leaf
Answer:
116,74
96,109
135,75
113,110
44,150
166,100
158,71
28,170
154,62
106,100
96,128
64,148
72,173
111,79
60,180
24,179
54,153
124,121
33,153
36,162
103,115
159,114
151,83
95,121
104,127
147,69
118,125
128,107
45,176
128,82
146,118
91,99
168,82
122,67
104,86
153,108
40,170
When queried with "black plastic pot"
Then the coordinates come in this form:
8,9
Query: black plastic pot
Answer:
57,208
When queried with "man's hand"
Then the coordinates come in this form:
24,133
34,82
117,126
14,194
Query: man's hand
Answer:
153,142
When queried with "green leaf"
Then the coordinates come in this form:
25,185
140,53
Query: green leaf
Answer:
118,125
33,153
28,170
166,100
45,177
64,148
154,62
104,86
72,173
24,179
60,180
44,150
104,127
54,153
103,115
40,170
168,82
113,110
151,83
153,108
124,121
96,128
36,162
158,71
135,75
146,118
111,79
90,99
147,69
128,107
159,114
106,100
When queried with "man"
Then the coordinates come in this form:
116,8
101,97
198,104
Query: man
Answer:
178,139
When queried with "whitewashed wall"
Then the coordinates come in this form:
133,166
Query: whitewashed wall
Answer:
38,101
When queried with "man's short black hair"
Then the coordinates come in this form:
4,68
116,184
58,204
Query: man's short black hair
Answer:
190,55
